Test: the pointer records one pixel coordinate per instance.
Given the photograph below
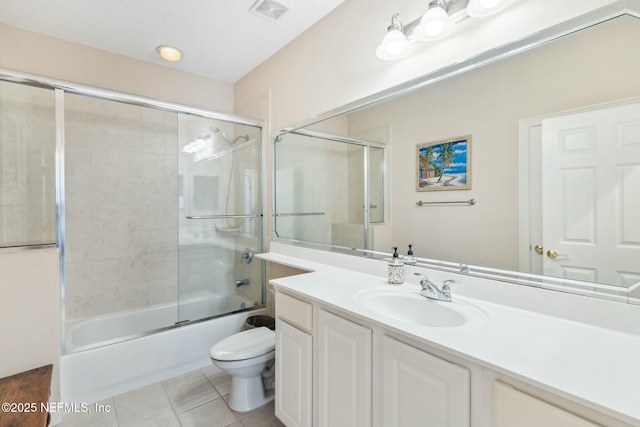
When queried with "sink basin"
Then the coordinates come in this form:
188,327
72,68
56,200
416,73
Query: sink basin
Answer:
410,307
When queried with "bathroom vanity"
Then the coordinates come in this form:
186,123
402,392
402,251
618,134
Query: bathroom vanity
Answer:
354,350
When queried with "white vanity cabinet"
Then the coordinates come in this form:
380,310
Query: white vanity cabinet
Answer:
412,387
515,408
343,372
419,389
294,348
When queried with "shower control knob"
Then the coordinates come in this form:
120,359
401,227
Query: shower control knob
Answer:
247,256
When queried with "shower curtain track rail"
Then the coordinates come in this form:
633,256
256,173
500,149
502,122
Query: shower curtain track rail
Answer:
114,95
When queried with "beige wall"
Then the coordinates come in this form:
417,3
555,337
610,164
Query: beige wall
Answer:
276,271
47,56
30,313
334,62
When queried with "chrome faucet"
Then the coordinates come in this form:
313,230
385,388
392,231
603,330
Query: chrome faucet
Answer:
431,290
243,282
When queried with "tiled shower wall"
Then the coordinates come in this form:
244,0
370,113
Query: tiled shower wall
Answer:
121,248
27,165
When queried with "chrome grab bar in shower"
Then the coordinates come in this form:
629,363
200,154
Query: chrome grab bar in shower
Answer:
221,216
300,214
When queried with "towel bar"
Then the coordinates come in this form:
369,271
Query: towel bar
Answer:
469,202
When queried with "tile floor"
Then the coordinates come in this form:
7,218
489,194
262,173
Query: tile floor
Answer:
195,399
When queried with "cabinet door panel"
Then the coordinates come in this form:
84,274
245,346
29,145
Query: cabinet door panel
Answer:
513,408
293,375
344,372
419,389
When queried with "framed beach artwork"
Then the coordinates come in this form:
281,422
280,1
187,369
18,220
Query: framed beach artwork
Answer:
444,165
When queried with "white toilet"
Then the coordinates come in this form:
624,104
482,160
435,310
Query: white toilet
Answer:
244,356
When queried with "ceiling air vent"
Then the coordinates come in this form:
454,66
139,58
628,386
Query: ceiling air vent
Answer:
268,9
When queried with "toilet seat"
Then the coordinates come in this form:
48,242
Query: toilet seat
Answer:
245,345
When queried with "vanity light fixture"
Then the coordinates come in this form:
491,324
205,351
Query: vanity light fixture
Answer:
480,8
437,23
169,53
394,44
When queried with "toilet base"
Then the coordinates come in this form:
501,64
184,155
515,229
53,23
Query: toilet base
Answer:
248,394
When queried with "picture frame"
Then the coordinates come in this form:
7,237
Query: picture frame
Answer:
444,165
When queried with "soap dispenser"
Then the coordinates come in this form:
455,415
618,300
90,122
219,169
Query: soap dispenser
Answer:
410,259
396,269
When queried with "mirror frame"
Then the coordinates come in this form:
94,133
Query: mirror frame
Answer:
610,292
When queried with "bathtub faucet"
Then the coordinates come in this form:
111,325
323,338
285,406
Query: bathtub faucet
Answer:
243,282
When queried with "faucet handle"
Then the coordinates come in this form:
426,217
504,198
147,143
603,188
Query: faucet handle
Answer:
446,289
423,281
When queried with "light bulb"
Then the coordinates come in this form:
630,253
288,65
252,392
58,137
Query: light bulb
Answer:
488,4
434,25
169,53
393,46
480,8
394,43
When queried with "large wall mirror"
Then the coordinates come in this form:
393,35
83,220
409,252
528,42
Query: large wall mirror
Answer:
555,127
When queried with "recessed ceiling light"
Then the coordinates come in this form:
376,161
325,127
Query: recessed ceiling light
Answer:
169,53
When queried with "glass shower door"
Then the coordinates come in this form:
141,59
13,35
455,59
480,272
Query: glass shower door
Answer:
220,217
328,189
120,224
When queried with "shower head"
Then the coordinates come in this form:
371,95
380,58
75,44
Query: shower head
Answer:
230,142
218,130
245,137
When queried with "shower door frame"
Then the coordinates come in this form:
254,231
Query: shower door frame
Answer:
60,87
366,145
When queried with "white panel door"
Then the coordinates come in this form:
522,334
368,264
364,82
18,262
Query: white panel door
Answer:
512,408
421,390
591,198
343,372
293,375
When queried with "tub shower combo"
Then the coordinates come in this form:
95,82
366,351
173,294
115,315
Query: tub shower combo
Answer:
156,211
162,212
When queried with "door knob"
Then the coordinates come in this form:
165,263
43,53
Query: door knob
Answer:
539,249
553,254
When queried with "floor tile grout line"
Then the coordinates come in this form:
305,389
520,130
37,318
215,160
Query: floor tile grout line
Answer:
115,411
173,409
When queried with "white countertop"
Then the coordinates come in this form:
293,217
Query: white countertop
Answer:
595,366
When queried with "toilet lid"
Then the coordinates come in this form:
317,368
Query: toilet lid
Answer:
245,345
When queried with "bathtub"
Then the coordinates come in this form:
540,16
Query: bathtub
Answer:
98,373
103,329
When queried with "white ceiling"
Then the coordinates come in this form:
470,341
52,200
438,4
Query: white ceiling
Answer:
220,39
